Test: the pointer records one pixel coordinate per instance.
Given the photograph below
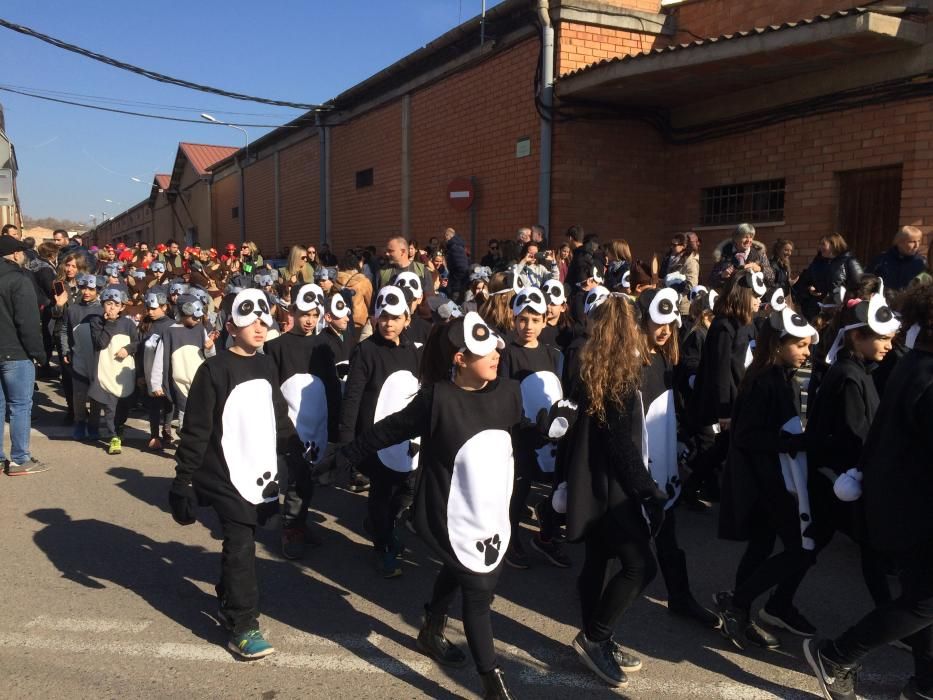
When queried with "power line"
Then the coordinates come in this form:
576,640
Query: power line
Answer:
142,114
136,103
152,75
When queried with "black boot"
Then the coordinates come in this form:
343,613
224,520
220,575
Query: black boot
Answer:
494,687
431,641
688,607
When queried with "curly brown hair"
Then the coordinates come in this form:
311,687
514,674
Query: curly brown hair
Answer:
916,306
612,357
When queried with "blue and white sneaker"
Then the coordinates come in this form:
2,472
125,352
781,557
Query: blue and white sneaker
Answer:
250,645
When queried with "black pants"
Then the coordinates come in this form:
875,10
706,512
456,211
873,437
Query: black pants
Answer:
298,494
237,591
478,591
115,412
909,616
711,451
671,559
159,409
389,495
604,602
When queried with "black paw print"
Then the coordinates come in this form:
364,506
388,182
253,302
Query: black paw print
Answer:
271,489
413,449
312,451
490,547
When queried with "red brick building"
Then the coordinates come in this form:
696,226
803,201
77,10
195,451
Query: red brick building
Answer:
803,116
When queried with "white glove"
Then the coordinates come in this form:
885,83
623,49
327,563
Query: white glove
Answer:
559,498
848,486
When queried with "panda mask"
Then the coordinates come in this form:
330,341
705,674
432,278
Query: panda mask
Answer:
754,281
778,300
157,267
789,322
530,298
337,306
307,298
391,300
859,313
661,306
554,292
475,336
249,305
411,282
513,282
594,297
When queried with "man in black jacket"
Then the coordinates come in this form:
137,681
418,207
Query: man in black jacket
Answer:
458,265
20,349
900,263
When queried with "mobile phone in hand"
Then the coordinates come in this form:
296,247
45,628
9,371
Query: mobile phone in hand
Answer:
58,287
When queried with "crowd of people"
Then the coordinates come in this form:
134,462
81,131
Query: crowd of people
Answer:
445,388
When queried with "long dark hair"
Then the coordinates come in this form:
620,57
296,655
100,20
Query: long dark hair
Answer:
437,358
735,302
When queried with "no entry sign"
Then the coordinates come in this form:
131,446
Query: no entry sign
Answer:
460,193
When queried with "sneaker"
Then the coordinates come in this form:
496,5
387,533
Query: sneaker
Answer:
558,534
734,619
388,564
912,691
552,551
359,483
30,466
627,662
789,619
599,659
116,446
517,557
761,637
250,645
155,444
79,430
687,606
836,681
293,542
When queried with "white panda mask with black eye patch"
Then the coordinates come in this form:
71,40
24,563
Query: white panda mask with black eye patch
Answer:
789,322
594,297
554,293
529,298
711,299
474,335
410,281
249,305
597,275
754,281
307,298
318,292
337,306
881,318
391,300
778,301
663,307
697,291
626,282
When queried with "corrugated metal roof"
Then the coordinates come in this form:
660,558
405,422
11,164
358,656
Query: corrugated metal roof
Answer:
162,180
202,155
721,38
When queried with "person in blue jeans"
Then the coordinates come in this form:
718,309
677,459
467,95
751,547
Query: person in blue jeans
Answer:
21,348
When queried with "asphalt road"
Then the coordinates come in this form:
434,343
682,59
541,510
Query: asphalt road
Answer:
105,596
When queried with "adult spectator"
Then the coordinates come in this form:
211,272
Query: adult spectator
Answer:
536,267
683,261
30,251
11,230
585,258
493,257
172,257
458,264
350,276
574,237
563,260
538,235
833,268
523,235
398,260
741,253
43,274
900,263
619,255
693,248
311,263
250,258
328,259
20,350
60,238
781,253
296,267
926,277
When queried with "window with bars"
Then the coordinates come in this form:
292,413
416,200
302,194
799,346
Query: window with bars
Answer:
751,202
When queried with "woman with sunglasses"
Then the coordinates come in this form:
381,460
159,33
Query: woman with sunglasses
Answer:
297,268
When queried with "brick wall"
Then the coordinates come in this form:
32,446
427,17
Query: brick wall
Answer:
466,126
260,206
225,194
709,18
300,193
579,45
366,215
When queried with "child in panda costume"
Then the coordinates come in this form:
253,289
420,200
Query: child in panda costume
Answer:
537,368
228,459
419,329
467,417
78,350
312,393
181,350
115,338
660,319
765,492
151,329
338,338
383,380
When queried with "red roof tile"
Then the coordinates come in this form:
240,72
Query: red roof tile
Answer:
202,155
162,180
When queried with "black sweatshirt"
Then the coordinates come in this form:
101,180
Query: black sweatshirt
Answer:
236,426
721,368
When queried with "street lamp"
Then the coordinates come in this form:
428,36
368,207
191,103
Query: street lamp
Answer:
214,120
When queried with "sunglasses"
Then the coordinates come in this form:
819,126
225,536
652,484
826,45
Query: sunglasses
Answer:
244,247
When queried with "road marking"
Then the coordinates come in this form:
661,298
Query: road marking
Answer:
73,624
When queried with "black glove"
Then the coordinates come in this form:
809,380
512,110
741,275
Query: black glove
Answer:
791,444
556,422
653,504
183,501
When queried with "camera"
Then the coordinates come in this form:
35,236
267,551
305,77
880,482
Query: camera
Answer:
541,258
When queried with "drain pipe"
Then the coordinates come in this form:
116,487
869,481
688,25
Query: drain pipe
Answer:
547,100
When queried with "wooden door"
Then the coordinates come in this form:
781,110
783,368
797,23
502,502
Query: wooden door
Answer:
869,209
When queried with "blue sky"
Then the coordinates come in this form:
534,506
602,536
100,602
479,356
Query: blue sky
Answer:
72,159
